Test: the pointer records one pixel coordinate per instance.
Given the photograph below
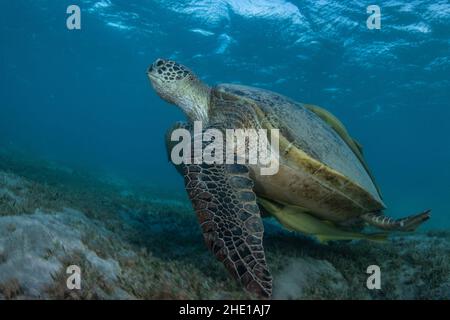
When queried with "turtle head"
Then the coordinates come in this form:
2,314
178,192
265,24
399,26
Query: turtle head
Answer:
178,85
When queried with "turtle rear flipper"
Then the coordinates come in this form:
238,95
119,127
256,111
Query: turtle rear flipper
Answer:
406,224
225,204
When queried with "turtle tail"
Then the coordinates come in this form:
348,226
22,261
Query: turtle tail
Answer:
407,224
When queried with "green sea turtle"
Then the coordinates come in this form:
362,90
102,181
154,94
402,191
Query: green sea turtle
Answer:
323,186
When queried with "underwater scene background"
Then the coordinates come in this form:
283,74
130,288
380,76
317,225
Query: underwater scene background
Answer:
84,175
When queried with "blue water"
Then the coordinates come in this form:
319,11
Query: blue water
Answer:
82,96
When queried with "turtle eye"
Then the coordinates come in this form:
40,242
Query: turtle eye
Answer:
159,63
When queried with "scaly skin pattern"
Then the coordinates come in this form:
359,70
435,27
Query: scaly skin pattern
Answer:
409,223
223,198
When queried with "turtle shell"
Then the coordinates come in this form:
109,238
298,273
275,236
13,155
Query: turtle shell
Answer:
323,152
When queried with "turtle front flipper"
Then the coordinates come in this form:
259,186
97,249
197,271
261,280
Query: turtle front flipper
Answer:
226,206
406,224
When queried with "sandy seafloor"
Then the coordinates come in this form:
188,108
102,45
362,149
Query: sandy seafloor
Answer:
137,242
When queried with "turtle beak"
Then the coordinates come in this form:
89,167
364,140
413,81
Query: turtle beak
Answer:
151,74
152,70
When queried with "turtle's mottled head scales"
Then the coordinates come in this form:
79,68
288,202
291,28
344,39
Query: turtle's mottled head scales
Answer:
178,85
